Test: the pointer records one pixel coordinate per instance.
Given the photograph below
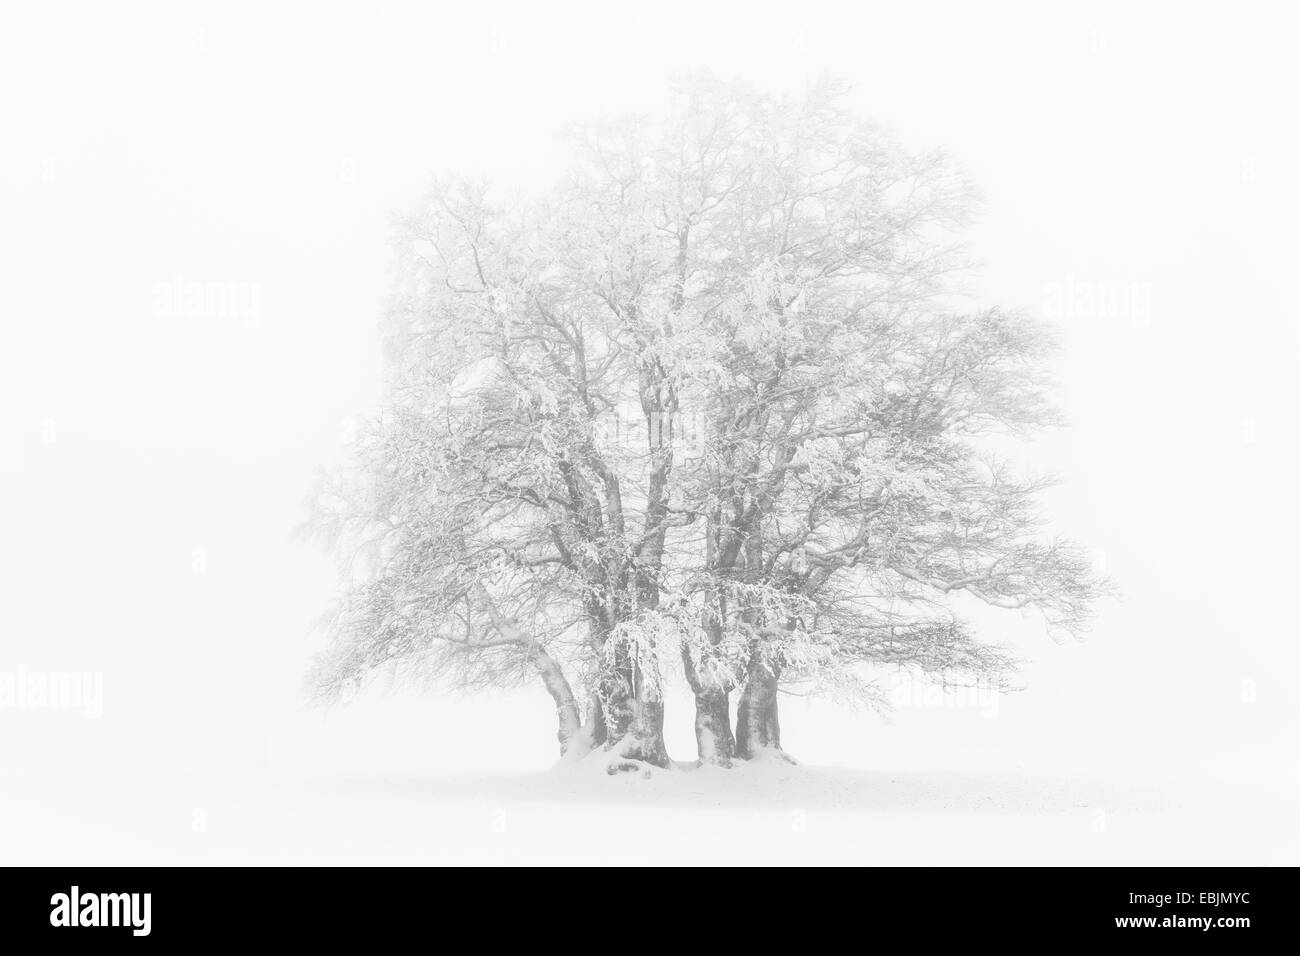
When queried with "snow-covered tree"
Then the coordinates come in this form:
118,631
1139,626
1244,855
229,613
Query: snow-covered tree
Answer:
710,399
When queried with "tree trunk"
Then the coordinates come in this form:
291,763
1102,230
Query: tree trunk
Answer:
758,728
640,723
566,706
714,740
645,739
634,715
639,714
589,738
713,736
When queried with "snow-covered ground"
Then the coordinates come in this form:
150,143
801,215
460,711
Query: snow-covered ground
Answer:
1080,768
752,815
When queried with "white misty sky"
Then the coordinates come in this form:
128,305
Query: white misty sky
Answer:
1139,173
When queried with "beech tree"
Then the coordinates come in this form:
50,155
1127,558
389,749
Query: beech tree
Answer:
713,399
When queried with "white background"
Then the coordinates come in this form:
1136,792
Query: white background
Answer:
1140,158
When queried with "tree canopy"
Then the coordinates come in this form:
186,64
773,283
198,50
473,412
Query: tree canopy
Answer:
714,402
